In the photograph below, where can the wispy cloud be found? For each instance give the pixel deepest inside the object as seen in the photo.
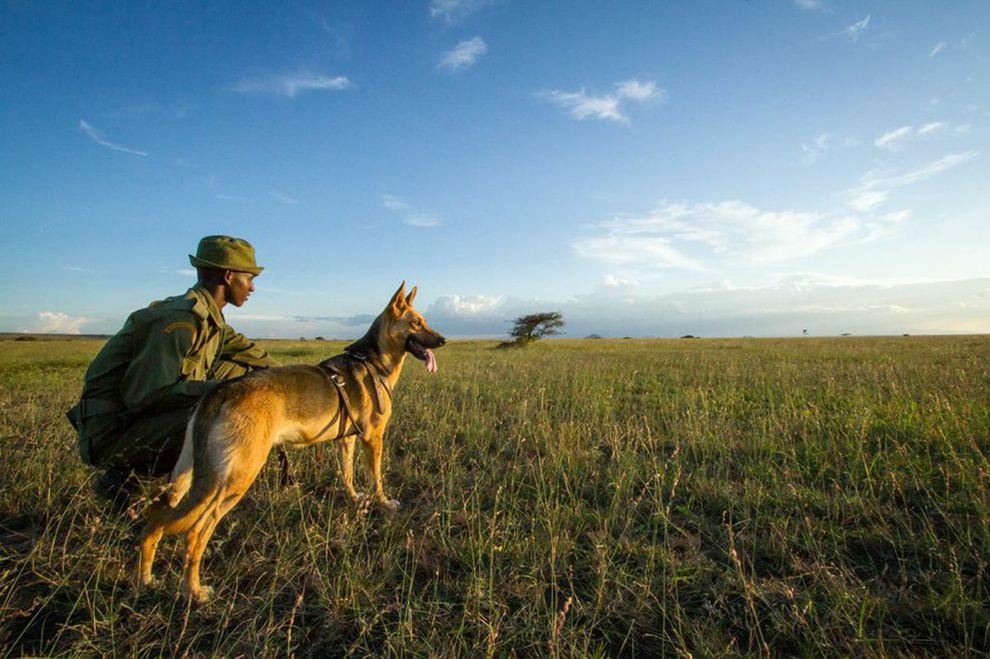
(413, 217)
(99, 139)
(289, 85)
(892, 139)
(704, 236)
(455, 11)
(814, 151)
(582, 106)
(283, 198)
(638, 91)
(463, 55)
(937, 49)
(808, 4)
(423, 220)
(895, 139)
(393, 203)
(854, 31)
(875, 187)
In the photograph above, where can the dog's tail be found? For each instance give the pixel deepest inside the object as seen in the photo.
(182, 473)
(177, 508)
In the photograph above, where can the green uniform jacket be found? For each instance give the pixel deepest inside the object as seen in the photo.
(165, 357)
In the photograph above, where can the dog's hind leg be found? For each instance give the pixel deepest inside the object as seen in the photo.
(161, 519)
(151, 535)
(241, 475)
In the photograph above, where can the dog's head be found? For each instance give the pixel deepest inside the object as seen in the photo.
(406, 329)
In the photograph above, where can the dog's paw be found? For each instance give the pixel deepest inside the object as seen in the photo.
(391, 506)
(149, 583)
(203, 595)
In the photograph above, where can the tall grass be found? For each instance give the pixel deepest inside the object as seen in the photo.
(605, 497)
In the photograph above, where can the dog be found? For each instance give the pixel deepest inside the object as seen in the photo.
(235, 427)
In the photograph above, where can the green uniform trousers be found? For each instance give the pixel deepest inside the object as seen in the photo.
(147, 445)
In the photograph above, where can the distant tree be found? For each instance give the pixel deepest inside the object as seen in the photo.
(535, 326)
(593, 336)
(805, 332)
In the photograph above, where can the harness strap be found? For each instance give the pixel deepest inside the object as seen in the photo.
(344, 413)
(380, 382)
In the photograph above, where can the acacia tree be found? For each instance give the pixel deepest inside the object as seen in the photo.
(536, 325)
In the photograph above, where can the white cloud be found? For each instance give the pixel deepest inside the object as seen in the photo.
(463, 55)
(808, 4)
(874, 187)
(853, 32)
(465, 305)
(864, 200)
(289, 85)
(896, 217)
(393, 203)
(414, 217)
(813, 152)
(283, 198)
(931, 127)
(423, 220)
(455, 11)
(582, 106)
(98, 138)
(56, 322)
(897, 138)
(690, 236)
(823, 304)
(937, 49)
(639, 250)
(892, 139)
(611, 281)
(638, 91)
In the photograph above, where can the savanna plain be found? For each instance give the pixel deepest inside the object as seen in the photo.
(574, 498)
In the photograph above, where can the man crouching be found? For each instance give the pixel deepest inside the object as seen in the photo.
(142, 386)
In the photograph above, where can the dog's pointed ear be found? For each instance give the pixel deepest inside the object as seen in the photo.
(411, 297)
(398, 302)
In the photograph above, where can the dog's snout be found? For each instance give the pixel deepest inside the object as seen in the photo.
(440, 341)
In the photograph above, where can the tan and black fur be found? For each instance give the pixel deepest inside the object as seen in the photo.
(235, 427)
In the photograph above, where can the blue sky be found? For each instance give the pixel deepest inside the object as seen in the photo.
(649, 168)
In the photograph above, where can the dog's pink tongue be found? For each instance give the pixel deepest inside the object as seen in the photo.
(431, 361)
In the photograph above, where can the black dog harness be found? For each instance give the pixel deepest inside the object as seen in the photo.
(335, 369)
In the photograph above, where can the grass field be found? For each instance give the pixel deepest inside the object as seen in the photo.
(613, 497)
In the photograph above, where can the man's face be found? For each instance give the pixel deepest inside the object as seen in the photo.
(240, 285)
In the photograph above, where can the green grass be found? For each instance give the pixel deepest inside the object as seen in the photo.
(627, 497)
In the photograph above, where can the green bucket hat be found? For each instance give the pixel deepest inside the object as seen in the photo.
(225, 253)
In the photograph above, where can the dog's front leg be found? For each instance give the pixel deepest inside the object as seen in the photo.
(372, 454)
(347, 466)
